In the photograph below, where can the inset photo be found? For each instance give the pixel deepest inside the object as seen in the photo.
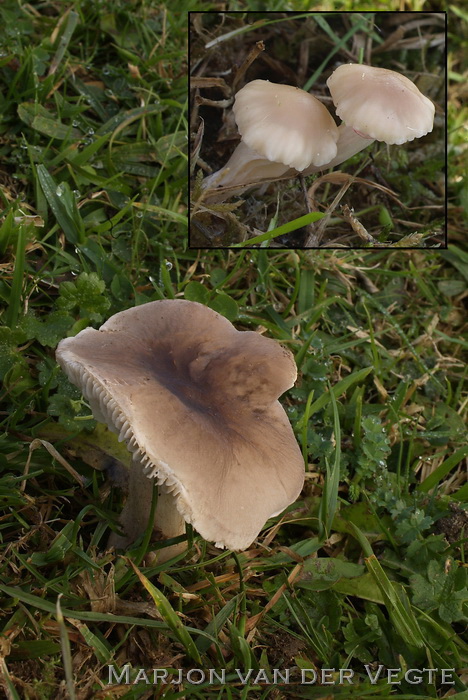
(318, 130)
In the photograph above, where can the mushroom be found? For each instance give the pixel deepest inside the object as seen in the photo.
(195, 401)
(375, 104)
(282, 127)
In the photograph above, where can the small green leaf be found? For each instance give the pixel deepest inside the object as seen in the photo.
(9, 341)
(87, 295)
(68, 410)
(217, 276)
(322, 572)
(33, 649)
(195, 291)
(451, 288)
(48, 330)
(225, 305)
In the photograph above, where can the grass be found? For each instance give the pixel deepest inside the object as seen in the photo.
(397, 193)
(369, 565)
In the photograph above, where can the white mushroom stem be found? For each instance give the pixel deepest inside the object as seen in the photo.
(245, 166)
(168, 522)
(349, 143)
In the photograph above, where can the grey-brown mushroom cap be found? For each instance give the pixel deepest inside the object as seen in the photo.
(196, 402)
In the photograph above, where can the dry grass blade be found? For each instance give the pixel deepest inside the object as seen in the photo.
(345, 181)
(252, 622)
(199, 82)
(34, 445)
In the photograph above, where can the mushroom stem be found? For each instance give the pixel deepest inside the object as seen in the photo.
(349, 143)
(136, 512)
(244, 166)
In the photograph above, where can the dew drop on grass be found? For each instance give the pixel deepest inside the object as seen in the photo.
(168, 265)
(75, 123)
(76, 193)
(139, 214)
(59, 191)
(108, 93)
(90, 131)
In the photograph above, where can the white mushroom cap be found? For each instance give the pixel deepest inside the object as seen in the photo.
(380, 103)
(285, 124)
(195, 400)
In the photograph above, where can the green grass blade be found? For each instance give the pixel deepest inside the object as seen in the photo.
(340, 387)
(101, 650)
(62, 202)
(13, 311)
(72, 22)
(12, 694)
(305, 422)
(161, 213)
(442, 470)
(329, 500)
(319, 70)
(394, 595)
(169, 615)
(285, 228)
(6, 231)
(39, 119)
(66, 651)
(216, 624)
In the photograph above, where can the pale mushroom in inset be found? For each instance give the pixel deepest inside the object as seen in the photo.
(375, 104)
(195, 400)
(282, 127)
